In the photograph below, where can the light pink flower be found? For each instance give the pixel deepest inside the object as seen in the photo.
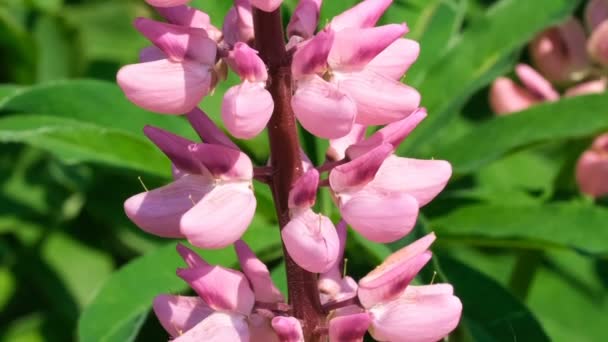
(304, 19)
(592, 169)
(238, 23)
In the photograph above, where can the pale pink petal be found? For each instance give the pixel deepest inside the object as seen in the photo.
(536, 83)
(246, 63)
(322, 109)
(246, 109)
(337, 147)
(421, 179)
(380, 217)
(360, 171)
(174, 147)
(260, 329)
(218, 327)
(191, 17)
(388, 280)
(164, 86)
(167, 3)
(256, 271)
(288, 329)
(349, 328)
(380, 100)
(151, 54)
(238, 23)
(598, 44)
(304, 19)
(222, 162)
(221, 217)
(303, 194)
(332, 285)
(311, 241)
(507, 97)
(421, 314)
(266, 5)
(159, 211)
(596, 12)
(364, 14)
(393, 134)
(589, 87)
(396, 59)
(178, 314)
(207, 130)
(179, 42)
(353, 48)
(311, 56)
(221, 288)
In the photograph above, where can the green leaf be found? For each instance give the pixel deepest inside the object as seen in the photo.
(57, 55)
(484, 52)
(567, 119)
(564, 225)
(117, 310)
(75, 142)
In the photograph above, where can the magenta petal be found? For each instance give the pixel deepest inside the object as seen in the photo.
(311, 241)
(246, 109)
(420, 314)
(380, 217)
(304, 192)
(364, 14)
(353, 48)
(246, 63)
(221, 217)
(311, 56)
(304, 19)
(222, 162)
(207, 130)
(322, 109)
(288, 329)
(221, 288)
(389, 279)
(178, 314)
(349, 328)
(167, 3)
(380, 100)
(190, 257)
(174, 147)
(218, 327)
(431, 177)
(256, 271)
(164, 86)
(396, 59)
(159, 211)
(360, 171)
(536, 83)
(337, 147)
(393, 134)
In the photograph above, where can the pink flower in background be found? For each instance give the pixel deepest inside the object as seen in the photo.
(592, 168)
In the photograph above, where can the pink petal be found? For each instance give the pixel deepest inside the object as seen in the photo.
(360, 171)
(393, 134)
(246, 109)
(355, 47)
(222, 162)
(151, 54)
(165, 87)
(311, 56)
(221, 217)
(379, 100)
(238, 23)
(596, 12)
(421, 314)
(589, 87)
(266, 5)
(337, 147)
(364, 14)
(304, 192)
(218, 327)
(304, 19)
(592, 169)
(332, 285)
(167, 3)
(288, 329)
(396, 174)
(191, 17)
(389, 279)
(311, 241)
(221, 288)
(396, 59)
(507, 97)
(536, 83)
(174, 147)
(178, 314)
(380, 217)
(179, 42)
(256, 271)
(207, 130)
(159, 211)
(322, 109)
(246, 63)
(349, 328)
(598, 44)
(260, 329)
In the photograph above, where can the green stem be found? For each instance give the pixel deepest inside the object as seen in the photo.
(523, 273)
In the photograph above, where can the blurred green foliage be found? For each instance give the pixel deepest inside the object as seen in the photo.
(72, 267)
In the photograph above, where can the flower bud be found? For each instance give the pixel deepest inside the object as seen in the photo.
(304, 19)
(598, 44)
(246, 109)
(304, 192)
(288, 329)
(238, 24)
(246, 63)
(592, 169)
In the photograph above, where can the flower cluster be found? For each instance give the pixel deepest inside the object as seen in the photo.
(567, 58)
(345, 78)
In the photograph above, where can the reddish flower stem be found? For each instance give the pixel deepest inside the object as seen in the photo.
(286, 162)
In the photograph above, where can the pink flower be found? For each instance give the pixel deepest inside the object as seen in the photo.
(211, 203)
(190, 17)
(238, 24)
(592, 169)
(304, 19)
